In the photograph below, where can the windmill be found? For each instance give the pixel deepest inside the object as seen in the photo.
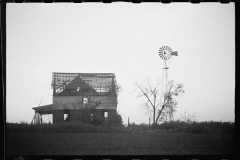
(166, 53)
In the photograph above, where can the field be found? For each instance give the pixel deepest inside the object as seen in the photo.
(132, 143)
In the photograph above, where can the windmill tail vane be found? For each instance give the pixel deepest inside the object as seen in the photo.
(175, 53)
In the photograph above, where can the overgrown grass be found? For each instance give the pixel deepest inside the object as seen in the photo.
(138, 128)
(210, 127)
(71, 127)
(77, 127)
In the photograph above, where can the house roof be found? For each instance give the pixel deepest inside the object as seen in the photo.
(80, 83)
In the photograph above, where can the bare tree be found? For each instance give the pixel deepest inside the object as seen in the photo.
(154, 105)
(91, 103)
(189, 118)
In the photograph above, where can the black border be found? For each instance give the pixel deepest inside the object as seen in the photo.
(115, 157)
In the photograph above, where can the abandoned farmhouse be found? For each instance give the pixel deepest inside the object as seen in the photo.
(74, 92)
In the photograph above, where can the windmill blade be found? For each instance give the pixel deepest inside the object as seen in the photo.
(165, 52)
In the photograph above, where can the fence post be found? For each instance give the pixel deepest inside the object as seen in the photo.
(128, 121)
(149, 123)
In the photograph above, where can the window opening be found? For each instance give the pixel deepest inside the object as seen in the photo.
(66, 118)
(105, 114)
(85, 100)
(91, 117)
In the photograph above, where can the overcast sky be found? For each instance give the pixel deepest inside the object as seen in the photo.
(123, 38)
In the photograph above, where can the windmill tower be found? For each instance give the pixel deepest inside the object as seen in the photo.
(165, 53)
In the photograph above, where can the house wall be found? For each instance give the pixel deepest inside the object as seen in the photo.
(58, 115)
(70, 102)
(75, 114)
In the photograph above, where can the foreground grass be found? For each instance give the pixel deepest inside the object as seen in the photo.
(135, 143)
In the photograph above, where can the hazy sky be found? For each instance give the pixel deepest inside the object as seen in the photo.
(123, 38)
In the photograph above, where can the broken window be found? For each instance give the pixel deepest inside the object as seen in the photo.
(66, 118)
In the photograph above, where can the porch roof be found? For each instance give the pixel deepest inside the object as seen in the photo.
(46, 109)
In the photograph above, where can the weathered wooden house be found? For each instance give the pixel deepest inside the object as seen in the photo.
(75, 91)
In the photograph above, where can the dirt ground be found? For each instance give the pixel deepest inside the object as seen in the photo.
(147, 143)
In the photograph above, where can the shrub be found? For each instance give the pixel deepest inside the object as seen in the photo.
(85, 116)
(114, 119)
(97, 120)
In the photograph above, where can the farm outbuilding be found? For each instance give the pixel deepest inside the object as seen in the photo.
(73, 92)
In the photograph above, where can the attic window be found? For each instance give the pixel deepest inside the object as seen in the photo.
(78, 89)
(85, 100)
